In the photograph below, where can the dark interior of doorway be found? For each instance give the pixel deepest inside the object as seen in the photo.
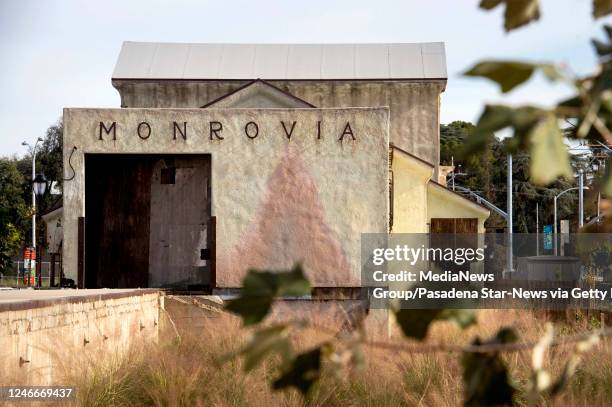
(127, 247)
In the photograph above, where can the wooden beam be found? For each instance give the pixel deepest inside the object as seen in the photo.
(212, 246)
(81, 253)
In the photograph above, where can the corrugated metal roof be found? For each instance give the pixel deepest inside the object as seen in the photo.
(149, 60)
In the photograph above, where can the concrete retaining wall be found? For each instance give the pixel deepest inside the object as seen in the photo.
(43, 333)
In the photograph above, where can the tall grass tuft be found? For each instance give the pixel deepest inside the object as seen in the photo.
(186, 372)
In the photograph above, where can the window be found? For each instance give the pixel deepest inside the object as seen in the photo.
(168, 175)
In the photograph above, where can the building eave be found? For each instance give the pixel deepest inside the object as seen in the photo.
(476, 205)
(411, 156)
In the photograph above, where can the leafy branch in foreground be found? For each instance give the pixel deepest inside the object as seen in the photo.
(538, 129)
(518, 13)
(261, 288)
(486, 377)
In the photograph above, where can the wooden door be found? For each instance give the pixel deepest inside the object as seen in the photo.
(454, 225)
(146, 221)
(117, 208)
(180, 217)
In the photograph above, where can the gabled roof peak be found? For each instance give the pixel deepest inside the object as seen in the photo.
(258, 94)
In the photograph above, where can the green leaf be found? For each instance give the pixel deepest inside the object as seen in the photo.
(464, 318)
(492, 119)
(503, 336)
(260, 288)
(549, 155)
(486, 380)
(489, 4)
(303, 372)
(520, 12)
(415, 323)
(601, 8)
(252, 308)
(485, 375)
(517, 13)
(264, 342)
(498, 117)
(551, 72)
(602, 48)
(508, 74)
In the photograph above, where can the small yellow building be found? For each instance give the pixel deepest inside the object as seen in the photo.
(422, 205)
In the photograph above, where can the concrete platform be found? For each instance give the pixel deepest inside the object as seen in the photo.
(19, 299)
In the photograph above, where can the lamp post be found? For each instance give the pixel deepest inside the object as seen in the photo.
(580, 198)
(39, 187)
(555, 209)
(510, 254)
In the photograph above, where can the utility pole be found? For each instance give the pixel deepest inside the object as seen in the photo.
(580, 198)
(509, 211)
(453, 177)
(34, 197)
(537, 228)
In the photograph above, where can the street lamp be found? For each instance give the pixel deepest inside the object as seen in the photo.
(39, 185)
(33, 152)
(555, 210)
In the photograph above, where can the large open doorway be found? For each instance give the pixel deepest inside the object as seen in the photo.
(148, 221)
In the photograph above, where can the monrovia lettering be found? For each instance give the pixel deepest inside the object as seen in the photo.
(216, 131)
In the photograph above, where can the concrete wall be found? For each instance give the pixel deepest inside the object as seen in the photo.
(414, 105)
(276, 200)
(443, 203)
(41, 338)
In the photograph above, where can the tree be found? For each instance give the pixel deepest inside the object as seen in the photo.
(13, 211)
(485, 174)
(49, 157)
(49, 160)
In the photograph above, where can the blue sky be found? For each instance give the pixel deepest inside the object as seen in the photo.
(61, 53)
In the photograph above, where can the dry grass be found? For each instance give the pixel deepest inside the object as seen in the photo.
(185, 372)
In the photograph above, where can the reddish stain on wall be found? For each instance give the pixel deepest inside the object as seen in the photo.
(289, 226)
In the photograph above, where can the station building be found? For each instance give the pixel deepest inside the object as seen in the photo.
(227, 157)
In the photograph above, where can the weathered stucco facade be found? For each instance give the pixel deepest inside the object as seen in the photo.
(226, 157)
(278, 195)
(414, 105)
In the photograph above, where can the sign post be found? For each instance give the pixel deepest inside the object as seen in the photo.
(29, 266)
(548, 237)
